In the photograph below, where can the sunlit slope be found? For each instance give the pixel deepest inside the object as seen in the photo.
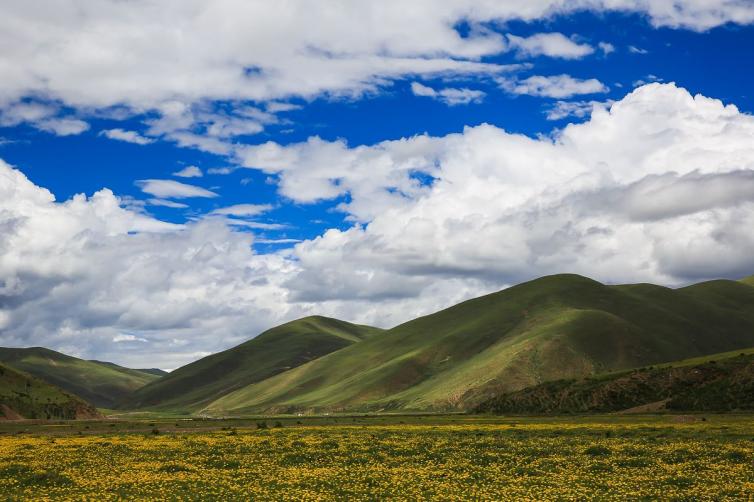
(555, 327)
(24, 396)
(101, 384)
(279, 349)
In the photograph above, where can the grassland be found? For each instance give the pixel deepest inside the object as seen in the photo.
(23, 396)
(369, 458)
(563, 326)
(718, 382)
(191, 387)
(99, 383)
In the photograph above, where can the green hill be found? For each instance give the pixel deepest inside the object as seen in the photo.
(719, 382)
(23, 396)
(287, 346)
(101, 384)
(563, 326)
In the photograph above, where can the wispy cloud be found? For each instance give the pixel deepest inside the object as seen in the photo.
(243, 210)
(450, 96)
(189, 172)
(127, 136)
(170, 189)
(555, 45)
(555, 86)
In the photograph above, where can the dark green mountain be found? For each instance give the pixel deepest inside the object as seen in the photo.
(23, 396)
(563, 326)
(716, 383)
(277, 350)
(101, 384)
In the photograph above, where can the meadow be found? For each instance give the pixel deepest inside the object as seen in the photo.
(379, 457)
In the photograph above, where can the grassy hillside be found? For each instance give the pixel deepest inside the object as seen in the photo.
(719, 382)
(279, 349)
(562, 326)
(101, 384)
(23, 396)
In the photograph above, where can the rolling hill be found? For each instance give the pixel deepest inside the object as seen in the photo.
(562, 326)
(717, 383)
(287, 346)
(101, 384)
(23, 396)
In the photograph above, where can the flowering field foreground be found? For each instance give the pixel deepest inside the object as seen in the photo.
(644, 459)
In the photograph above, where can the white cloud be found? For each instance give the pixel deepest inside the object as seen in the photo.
(656, 188)
(617, 197)
(167, 203)
(85, 275)
(578, 109)
(279, 107)
(555, 86)
(450, 96)
(189, 172)
(122, 337)
(606, 48)
(63, 126)
(45, 117)
(637, 50)
(646, 80)
(243, 210)
(127, 136)
(169, 189)
(170, 59)
(554, 45)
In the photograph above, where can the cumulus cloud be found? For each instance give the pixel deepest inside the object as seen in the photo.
(449, 95)
(127, 136)
(657, 187)
(555, 86)
(83, 274)
(613, 197)
(189, 172)
(554, 45)
(170, 189)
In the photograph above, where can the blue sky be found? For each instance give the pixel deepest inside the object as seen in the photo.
(718, 63)
(334, 145)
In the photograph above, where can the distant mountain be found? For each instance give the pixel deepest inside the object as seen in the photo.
(562, 326)
(23, 396)
(99, 383)
(275, 351)
(719, 382)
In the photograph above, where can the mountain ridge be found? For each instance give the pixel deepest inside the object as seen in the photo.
(555, 326)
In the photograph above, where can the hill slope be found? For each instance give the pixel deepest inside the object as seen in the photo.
(101, 384)
(287, 346)
(721, 382)
(554, 327)
(23, 396)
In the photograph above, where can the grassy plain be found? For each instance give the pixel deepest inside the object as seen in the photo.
(450, 457)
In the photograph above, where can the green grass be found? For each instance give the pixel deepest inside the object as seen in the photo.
(23, 396)
(714, 383)
(563, 326)
(193, 386)
(101, 384)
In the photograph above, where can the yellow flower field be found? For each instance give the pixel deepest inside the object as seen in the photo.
(534, 461)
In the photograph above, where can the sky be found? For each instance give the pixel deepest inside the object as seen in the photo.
(177, 176)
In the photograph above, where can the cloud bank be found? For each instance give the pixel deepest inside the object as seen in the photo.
(658, 187)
